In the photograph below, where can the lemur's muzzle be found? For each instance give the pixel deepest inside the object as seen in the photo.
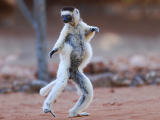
(67, 18)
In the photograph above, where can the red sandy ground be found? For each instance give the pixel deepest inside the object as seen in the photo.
(139, 103)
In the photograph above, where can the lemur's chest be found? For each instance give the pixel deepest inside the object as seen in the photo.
(77, 32)
(76, 37)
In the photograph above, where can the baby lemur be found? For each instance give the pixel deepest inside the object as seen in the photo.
(75, 52)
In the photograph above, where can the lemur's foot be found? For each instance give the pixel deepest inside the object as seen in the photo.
(47, 108)
(71, 116)
(84, 114)
(78, 115)
(96, 29)
(51, 111)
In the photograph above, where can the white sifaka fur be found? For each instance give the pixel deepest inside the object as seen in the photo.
(63, 75)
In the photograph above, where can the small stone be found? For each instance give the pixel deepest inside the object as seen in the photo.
(69, 88)
(5, 91)
(112, 90)
(25, 88)
(101, 80)
(36, 85)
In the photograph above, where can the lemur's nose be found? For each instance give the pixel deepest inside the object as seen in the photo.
(65, 21)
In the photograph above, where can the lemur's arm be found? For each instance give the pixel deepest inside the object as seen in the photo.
(90, 31)
(60, 42)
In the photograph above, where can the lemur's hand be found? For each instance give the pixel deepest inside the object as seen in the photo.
(96, 29)
(52, 52)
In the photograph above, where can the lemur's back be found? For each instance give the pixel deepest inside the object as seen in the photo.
(76, 39)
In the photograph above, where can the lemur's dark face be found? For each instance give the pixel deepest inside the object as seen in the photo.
(67, 18)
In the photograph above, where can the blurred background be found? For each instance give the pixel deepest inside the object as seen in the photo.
(125, 51)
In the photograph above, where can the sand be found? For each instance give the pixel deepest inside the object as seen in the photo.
(137, 103)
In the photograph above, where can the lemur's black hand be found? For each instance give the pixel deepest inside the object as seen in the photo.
(52, 52)
(96, 29)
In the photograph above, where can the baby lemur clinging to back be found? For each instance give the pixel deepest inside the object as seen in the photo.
(75, 52)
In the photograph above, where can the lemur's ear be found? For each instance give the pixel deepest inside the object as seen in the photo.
(76, 11)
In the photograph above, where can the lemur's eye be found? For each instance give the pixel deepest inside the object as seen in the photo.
(68, 16)
(62, 17)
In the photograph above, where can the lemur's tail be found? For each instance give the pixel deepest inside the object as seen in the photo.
(45, 90)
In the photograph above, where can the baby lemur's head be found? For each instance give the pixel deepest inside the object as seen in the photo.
(70, 15)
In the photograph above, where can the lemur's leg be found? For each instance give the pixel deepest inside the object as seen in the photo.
(45, 90)
(62, 78)
(85, 86)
